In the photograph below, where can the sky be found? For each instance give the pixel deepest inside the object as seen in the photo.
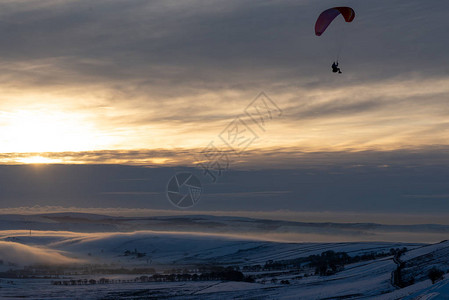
(131, 90)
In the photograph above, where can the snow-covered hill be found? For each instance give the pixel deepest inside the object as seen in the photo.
(274, 230)
(69, 244)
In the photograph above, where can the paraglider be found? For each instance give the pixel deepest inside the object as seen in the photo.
(335, 68)
(326, 18)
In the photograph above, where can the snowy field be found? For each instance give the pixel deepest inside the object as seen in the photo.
(52, 262)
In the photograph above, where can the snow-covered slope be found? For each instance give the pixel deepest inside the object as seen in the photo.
(177, 248)
(189, 242)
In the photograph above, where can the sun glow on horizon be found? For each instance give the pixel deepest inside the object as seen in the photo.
(39, 160)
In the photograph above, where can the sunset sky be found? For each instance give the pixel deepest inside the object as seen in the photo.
(153, 83)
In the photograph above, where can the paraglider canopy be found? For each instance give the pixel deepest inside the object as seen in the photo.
(327, 16)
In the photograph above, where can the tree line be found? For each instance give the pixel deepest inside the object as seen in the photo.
(225, 274)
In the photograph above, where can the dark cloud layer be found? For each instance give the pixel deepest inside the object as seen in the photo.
(400, 182)
(283, 158)
(213, 44)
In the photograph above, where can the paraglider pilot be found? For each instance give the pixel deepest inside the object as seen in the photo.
(335, 68)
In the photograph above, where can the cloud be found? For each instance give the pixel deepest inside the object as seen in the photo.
(255, 158)
(23, 255)
(196, 41)
(164, 74)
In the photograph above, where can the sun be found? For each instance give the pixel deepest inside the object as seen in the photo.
(45, 131)
(38, 160)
